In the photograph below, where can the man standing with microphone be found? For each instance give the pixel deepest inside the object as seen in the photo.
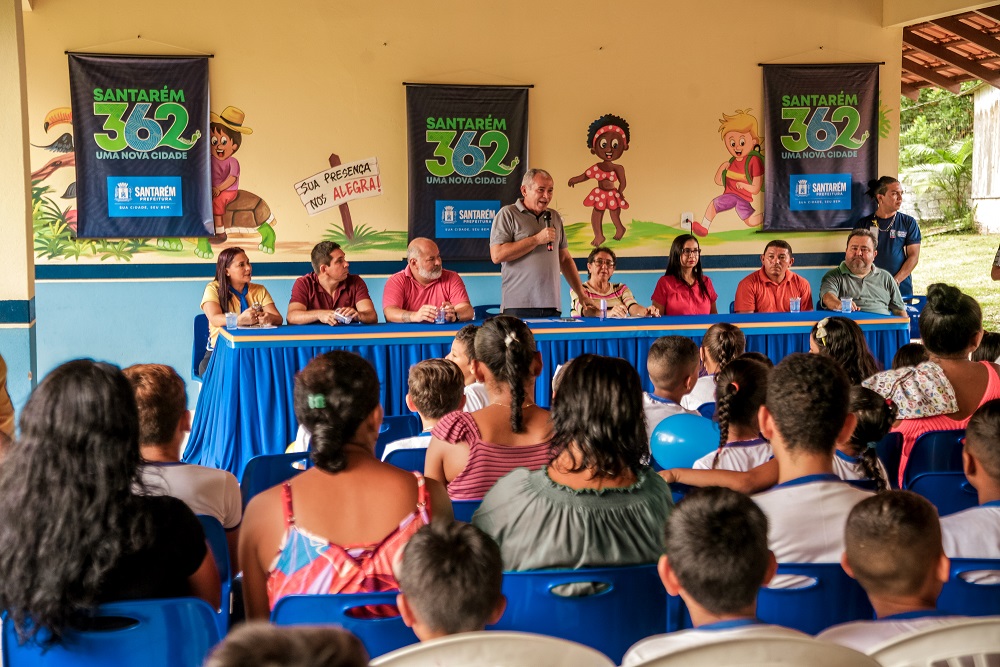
(529, 243)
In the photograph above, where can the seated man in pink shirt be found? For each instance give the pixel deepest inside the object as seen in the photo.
(330, 291)
(417, 292)
(771, 288)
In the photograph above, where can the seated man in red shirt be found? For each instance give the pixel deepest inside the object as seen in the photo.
(773, 286)
(416, 293)
(330, 292)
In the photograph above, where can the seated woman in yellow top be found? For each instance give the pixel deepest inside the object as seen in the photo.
(232, 287)
(600, 267)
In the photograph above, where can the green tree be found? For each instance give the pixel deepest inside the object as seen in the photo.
(936, 120)
(947, 169)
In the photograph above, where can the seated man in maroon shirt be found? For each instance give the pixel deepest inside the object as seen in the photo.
(330, 291)
(416, 293)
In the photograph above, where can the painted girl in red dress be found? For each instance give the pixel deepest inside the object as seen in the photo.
(607, 138)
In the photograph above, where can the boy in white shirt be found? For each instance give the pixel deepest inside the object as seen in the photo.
(463, 353)
(435, 389)
(672, 364)
(893, 548)
(975, 532)
(716, 559)
(804, 416)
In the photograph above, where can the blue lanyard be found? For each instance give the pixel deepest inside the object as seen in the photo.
(242, 296)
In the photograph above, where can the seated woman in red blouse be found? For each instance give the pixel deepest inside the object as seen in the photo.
(684, 289)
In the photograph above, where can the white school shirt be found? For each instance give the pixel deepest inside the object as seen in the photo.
(657, 409)
(661, 645)
(205, 490)
(475, 397)
(865, 636)
(703, 392)
(416, 442)
(974, 533)
(849, 467)
(806, 517)
(739, 455)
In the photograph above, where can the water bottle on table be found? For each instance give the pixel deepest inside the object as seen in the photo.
(794, 304)
(442, 315)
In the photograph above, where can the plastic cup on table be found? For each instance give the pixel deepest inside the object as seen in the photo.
(795, 304)
(846, 305)
(230, 320)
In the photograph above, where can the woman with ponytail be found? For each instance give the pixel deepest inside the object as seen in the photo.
(740, 390)
(470, 451)
(336, 527)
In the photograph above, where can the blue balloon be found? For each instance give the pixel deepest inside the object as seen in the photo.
(680, 440)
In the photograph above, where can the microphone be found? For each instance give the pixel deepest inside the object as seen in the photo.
(547, 217)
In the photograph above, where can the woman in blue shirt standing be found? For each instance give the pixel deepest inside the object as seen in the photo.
(898, 234)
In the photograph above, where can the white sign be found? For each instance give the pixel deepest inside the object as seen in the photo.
(344, 183)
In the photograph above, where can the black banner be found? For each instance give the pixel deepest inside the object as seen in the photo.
(821, 132)
(468, 150)
(142, 146)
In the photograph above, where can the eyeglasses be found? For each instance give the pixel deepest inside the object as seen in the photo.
(691, 251)
(604, 262)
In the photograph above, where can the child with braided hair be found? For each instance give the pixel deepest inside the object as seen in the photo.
(740, 390)
(607, 138)
(721, 344)
(856, 459)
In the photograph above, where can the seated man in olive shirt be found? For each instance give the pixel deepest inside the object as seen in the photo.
(330, 291)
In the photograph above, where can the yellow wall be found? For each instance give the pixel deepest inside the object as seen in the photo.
(898, 13)
(316, 77)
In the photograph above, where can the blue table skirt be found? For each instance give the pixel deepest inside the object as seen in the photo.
(245, 407)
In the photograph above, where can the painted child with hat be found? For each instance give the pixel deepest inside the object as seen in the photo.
(227, 132)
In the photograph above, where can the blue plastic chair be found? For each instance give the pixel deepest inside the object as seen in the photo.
(199, 343)
(177, 632)
(631, 606)
(889, 451)
(396, 428)
(732, 307)
(965, 598)
(914, 306)
(267, 470)
(485, 312)
(832, 598)
(934, 451)
(464, 509)
(379, 635)
(215, 534)
(707, 410)
(408, 459)
(949, 492)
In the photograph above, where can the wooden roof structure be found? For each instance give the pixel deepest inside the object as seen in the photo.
(950, 50)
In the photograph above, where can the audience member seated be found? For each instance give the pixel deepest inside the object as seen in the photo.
(595, 504)
(739, 393)
(771, 288)
(330, 291)
(163, 421)
(989, 348)
(892, 546)
(618, 297)
(463, 352)
(435, 389)
(672, 364)
(470, 451)
(265, 645)
(804, 417)
(74, 533)
(716, 559)
(870, 288)
(910, 355)
(424, 287)
(951, 326)
(291, 542)
(721, 344)
(450, 577)
(854, 460)
(975, 533)
(842, 340)
(684, 289)
(759, 357)
(232, 292)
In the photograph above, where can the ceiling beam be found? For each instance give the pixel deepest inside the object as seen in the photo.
(938, 80)
(941, 52)
(967, 32)
(990, 12)
(910, 91)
